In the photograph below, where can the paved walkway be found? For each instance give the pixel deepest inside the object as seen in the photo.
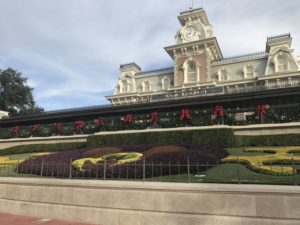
(7, 219)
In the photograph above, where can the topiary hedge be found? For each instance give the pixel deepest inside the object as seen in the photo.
(42, 148)
(223, 137)
(268, 140)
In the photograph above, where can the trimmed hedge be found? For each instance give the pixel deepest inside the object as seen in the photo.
(223, 137)
(42, 148)
(268, 140)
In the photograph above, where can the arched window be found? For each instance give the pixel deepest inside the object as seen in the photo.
(165, 83)
(223, 75)
(146, 86)
(191, 72)
(249, 71)
(282, 63)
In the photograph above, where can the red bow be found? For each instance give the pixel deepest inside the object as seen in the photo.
(35, 127)
(185, 114)
(16, 130)
(219, 111)
(154, 117)
(58, 126)
(128, 118)
(261, 109)
(79, 125)
(100, 121)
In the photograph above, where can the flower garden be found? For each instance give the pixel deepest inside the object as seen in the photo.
(131, 162)
(186, 155)
(180, 163)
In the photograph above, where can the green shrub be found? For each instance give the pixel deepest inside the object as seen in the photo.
(268, 140)
(42, 148)
(43, 132)
(218, 137)
(68, 131)
(24, 133)
(6, 133)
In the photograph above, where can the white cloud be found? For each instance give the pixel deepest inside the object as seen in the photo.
(72, 49)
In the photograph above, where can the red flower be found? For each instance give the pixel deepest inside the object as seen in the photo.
(100, 121)
(261, 109)
(35, 128)
(185, 114)
(219, 111)
(79, 124)
(16, 130)
(58, 126)
(154, 117)
(128, 118)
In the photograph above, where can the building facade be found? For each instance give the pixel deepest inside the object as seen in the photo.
(201, 70)
(249, 89)
(3, 114)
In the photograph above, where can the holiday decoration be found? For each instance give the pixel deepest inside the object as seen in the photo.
(35, 128)
(128, 118)
(58, 126)
(79, 124)
(261, 110)
(16, 130)
(219, 111)
(154, 118)
(100, 121)
(185, 114)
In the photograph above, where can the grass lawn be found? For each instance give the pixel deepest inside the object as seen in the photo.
(228, 173)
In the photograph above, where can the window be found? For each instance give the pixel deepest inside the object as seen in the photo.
(249, 71)
(223, 75)
(146, 86)
(124, 86)
(282, 63)
(165, 83)
(191, 72)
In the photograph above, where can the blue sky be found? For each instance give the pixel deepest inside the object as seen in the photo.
(71, 50)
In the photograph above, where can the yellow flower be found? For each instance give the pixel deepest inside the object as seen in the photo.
(263, 163)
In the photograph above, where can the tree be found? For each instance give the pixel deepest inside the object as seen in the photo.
(15, 94)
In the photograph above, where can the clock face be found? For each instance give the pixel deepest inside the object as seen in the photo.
(190, 33)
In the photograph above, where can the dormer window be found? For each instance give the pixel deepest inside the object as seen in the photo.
(282, 63)
(223, 75)
(249, 71)
(165, 83)
(146, 86)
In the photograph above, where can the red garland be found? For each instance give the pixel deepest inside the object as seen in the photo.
(16, 130)
(261, 109)
(58, 126)
(154, 117)
(185, 114)
(128, 118)
(100, 121)
(79, 124)
(219, 111)
(35, 128)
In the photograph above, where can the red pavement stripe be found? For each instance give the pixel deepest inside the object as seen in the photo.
(8, 219)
